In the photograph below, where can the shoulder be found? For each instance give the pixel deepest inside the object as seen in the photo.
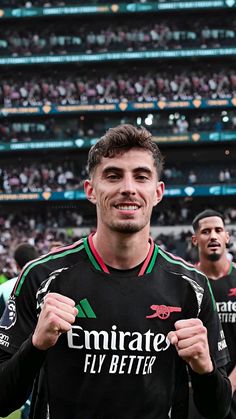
(233, 268)
(37, 270)
(231, 275)
(176, 264)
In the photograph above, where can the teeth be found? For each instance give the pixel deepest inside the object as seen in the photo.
(127, 207)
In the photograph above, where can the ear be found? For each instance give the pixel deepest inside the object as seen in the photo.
(89, 191)
(159, 192)
(194, 240)
(227, 237)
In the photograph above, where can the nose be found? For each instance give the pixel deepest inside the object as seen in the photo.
(128, 185)
(213, 235)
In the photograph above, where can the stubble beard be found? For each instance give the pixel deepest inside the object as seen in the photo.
(214, 257)
(126, 228)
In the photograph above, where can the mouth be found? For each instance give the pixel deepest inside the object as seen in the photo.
(213, 246)
(127, 207)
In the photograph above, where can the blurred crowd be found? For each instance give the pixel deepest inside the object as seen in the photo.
(53, 3)
(195, 173)
(46, 175)
(93, 37)
(87, 126)
(58, 89)
(40, 176)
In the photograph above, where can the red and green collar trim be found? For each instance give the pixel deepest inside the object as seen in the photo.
(98, 263)
(228, 269)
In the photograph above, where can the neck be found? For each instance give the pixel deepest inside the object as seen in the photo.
(122, 251)
(216, 269)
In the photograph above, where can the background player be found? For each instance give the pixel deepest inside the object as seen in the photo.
(211, 239)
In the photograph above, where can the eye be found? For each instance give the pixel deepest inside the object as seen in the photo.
(142, 177)
(112, 176)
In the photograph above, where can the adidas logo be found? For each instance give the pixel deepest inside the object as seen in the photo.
(85, 310)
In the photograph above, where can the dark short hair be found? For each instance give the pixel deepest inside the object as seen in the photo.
(205, 214)
(122, 138)
(23, 253)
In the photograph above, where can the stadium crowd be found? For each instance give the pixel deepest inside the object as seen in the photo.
(53, 3)
(36, 177)
(171, 122)
(68, 174)
(90, 38)
(116, 87)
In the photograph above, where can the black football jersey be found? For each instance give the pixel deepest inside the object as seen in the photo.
(116, 361)
(224, 290)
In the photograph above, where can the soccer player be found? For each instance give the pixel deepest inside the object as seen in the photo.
(211, 239)
(107, 328)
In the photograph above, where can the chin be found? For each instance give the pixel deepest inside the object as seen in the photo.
(127, 228)
(214, 257)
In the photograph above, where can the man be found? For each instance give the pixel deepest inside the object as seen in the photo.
(211, 238)
(23, 253)
(116, 319)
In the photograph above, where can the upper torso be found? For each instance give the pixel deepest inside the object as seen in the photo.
(116, 361)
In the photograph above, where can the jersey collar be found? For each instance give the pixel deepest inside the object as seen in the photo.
(98, 263)
(228, 269)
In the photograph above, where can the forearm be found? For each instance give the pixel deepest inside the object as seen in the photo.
(17, 374)
(212, 393)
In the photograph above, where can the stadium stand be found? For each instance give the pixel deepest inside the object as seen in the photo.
(70, 73)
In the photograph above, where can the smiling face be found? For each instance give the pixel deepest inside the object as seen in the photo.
(211, 238)
(125, 189)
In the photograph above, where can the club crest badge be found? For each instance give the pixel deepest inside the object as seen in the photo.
(8, 318)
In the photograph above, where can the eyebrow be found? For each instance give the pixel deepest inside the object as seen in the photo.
(212, 228)
(136, 170)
